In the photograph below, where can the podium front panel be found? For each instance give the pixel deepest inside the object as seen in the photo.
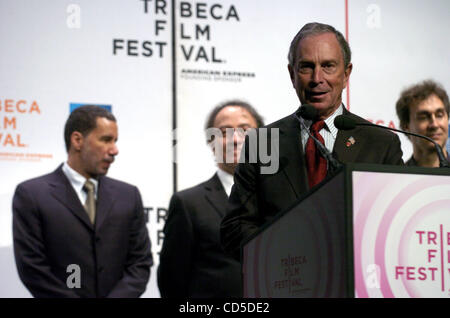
(401, 228)
(303, 253)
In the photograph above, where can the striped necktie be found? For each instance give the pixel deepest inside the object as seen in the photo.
(89, 206)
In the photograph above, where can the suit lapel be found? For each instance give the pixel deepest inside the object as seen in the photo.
(348, 143)
(62, 190)
(292, 161)
(216, 196)
(105, 200)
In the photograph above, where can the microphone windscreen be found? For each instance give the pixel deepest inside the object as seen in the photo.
(308, 112)
(344, 122)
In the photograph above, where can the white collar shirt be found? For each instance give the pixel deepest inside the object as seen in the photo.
(328, 132)
(77, 181)
(226, 179)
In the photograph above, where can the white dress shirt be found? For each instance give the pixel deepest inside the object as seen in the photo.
(77, 181)
(328, 132)
(226, 179)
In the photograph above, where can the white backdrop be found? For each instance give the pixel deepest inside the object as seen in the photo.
(119, 53)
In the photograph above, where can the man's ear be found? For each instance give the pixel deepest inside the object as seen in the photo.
(405, 127)
(291, 74)
(76, 140)
(347, 72)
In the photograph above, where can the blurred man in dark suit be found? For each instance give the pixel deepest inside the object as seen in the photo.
(424, 109)
(192, 263)
(319, 68)
(76, 232)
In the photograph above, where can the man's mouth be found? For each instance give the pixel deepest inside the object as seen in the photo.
(109, 161)
(316, 94)
(435, 136)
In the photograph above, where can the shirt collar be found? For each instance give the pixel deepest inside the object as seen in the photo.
(329, 122)
(226, 179)
(76, 179)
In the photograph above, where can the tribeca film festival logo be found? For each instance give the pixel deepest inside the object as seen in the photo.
(133, 47)
(435, 265)
(202, 12)
(292, 267)
(147, 48)
(12, 141)
(187, 10)
(190, 36)
(197, 41)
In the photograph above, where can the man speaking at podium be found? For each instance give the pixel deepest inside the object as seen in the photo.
(319, 68)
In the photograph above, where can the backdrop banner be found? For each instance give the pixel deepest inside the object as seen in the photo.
(162, 65)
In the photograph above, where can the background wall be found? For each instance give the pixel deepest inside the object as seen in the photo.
(164, 64)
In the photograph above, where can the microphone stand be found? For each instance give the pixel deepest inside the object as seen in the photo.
(334, 164)
(443, 163)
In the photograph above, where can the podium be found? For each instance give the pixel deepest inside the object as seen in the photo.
(368, 231)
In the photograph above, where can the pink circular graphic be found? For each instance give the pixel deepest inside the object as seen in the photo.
(388, 215)
(362, 210)
(361, 214)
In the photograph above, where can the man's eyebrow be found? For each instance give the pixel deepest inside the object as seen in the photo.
(308, 62)
(423, 112)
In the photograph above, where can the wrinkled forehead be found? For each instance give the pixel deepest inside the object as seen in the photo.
(324, 42)
(317, 38)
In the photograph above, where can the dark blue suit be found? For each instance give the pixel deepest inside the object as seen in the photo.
(52, 230)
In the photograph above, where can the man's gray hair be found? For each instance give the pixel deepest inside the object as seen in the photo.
(315, 28)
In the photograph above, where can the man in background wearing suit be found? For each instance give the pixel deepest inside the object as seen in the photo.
(319, 68)
(423, 109)
(76, 232)
(192, 263)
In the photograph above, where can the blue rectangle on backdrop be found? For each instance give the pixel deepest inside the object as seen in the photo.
(76, 105)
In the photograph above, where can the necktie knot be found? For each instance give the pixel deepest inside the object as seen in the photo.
(88, 187)
(317, 126)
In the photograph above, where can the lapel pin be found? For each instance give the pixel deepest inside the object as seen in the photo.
(350, 141)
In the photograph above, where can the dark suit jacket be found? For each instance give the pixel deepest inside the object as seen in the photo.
(192, 262)
(51, 230)
(256, 198)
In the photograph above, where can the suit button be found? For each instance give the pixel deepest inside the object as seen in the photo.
(97, 239)
(100, 269)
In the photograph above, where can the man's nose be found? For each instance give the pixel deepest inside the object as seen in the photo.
(238, 136)
(433, 122)
(317, 75)
(113, 150)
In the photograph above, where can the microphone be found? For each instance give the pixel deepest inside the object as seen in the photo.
(308, 112)
(345, 122)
